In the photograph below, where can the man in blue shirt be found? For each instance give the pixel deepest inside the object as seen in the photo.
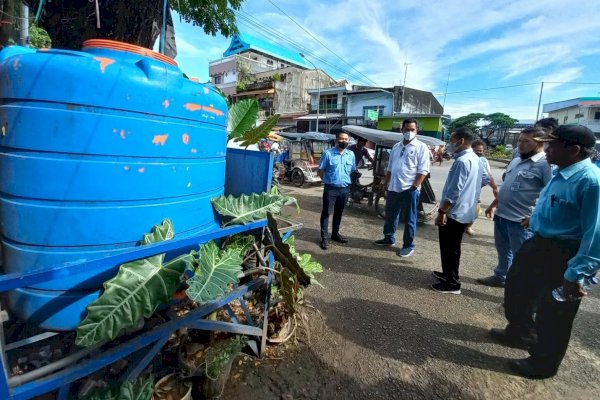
(564, 250)
(525, 177)
(457, 208)
(335, 167)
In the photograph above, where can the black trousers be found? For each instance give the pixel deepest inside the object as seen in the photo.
(537, 269)
(451, 236)
(334, 198)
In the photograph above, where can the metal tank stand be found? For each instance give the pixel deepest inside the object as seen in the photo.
(142, 345)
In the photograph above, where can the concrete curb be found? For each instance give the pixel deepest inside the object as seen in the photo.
(502, 160)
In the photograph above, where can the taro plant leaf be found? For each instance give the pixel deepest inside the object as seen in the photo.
(139, 287)
(254, 135)
(310, 266)
(242, 243)
(139, 389)
(247, 208)
(216, 270)
(289, 289)
(241, 117)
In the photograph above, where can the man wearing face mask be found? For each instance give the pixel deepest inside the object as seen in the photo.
(407, 169)
(457, 208)
(525, 177)
(334, 169)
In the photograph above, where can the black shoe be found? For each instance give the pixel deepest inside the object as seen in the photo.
(442, 287)
(324, 244)
(529, 370)
(493, 281)
(511, 341)
(439, 276)
(384, 242)
(339, 238)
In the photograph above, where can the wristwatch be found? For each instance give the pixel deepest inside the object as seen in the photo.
(440, 211)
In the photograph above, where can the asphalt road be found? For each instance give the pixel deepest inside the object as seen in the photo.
(380, 331)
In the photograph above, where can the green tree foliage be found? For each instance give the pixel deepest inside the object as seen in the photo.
(500, 123)
(38, 37)
(467, 121)
(70, 22)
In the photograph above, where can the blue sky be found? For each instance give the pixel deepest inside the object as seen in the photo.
(479, 44)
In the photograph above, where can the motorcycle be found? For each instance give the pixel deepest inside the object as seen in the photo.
(359, 191)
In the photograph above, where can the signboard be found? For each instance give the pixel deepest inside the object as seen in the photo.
(372, 115)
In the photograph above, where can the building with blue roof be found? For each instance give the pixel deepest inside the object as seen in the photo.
(580, 111)
(277, 77)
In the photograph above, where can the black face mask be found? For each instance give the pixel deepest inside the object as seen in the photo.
(342, 145)
(527, 155)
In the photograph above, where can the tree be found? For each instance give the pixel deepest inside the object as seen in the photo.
(501, 123)
(71, 22)
(38, 37)
(466, 121)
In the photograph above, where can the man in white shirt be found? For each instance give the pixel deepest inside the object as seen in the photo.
(407, 169)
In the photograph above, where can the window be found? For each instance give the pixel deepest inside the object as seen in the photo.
(269, 62)
(328, 102)
(218, 79)
(597, 115)
(579, 115)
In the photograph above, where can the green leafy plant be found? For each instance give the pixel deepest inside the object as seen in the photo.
(215, 271)
(38, 37)
(221, 353)
(241, 119)
(139, 287)
(254, 135)
(139, 389)
(248, 208)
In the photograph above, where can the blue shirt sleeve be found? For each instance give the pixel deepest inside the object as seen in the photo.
(485, 177)
(456, 181)
(323, 161)
(587, 259)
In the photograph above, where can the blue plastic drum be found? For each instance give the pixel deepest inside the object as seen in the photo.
(98, 146)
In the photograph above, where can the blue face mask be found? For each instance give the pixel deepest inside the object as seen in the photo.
(451, 147)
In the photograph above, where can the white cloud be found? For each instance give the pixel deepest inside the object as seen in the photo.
(483, 44)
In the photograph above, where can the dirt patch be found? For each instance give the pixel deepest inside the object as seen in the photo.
(380, 332)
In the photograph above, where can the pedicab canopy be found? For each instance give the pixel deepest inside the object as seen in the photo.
(386, 138)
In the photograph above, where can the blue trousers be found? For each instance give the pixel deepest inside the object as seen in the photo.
(334, 199)
(405, 202)
(508, 237)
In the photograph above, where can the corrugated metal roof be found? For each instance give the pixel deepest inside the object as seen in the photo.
(580, 101)
(245, 42)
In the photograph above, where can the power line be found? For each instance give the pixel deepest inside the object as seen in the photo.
(520, 85)
(260, 28)
(320, 42)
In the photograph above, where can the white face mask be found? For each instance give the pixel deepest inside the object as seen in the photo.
(410, 135)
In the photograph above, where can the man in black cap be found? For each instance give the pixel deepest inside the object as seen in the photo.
(564, 250)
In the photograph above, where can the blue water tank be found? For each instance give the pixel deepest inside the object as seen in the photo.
(98, 146)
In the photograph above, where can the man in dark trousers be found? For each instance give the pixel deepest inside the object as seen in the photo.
(457, 208)
(334, 169)
(564, 250)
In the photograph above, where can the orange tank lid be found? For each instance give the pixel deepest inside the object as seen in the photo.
(131, 48)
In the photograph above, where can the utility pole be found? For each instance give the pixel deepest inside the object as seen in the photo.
(445, 93)
(24, 31)
(406, 64)
(318, 88)
(537, 114)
